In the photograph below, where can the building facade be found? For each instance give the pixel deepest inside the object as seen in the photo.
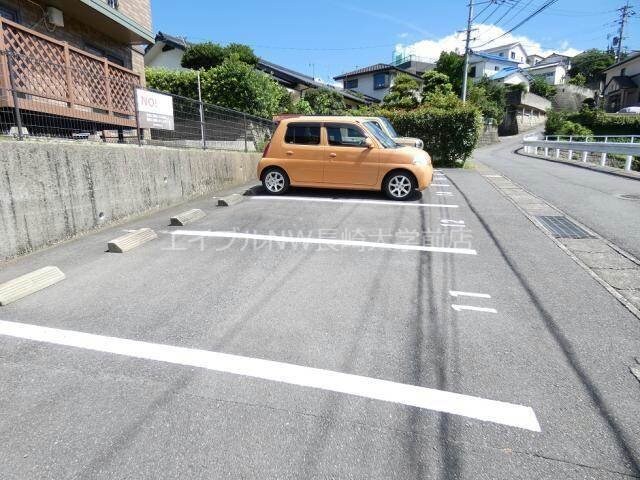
(79, 59)
(374, 81)
(621, 85)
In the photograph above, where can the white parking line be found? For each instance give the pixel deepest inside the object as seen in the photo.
(440, 185)
(351, 200)
(384, 390)
(444, 194)
(454, 293)
(322, 241)
(460, 308)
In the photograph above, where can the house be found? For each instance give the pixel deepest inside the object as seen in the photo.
(482, 64)
(513, 51)
(533, 60)
(512, 76)
(413, 64)
(296, 83)
(374, 81)
(554, 69)
(78, 59)
(167, 52)
(621, 84)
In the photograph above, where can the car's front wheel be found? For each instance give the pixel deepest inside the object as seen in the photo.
(399, 185)
(275, 181)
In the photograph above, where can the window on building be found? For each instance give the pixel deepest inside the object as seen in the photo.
(513, 55)
(496, 68)
(351, 83)
(8, 13)
(113, 4)
(345, 136)
(472, 72)
(100, 52)
(303, 134)
(381, 80)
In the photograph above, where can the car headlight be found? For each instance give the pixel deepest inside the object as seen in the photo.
(420, 160)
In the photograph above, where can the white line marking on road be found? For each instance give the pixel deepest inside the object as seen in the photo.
(455, 293)
(440, 185)
(444, 194)
(460, 308)
(452, 223)
(351, 200)
(492, 176)
(384, 390)
(323, 241)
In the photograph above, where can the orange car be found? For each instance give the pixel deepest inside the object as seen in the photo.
(341, 152)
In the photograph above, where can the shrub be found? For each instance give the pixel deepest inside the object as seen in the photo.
(203, 55)
(233, 84)
(403, 93)
(210, 55)
(539, 86)
(449, 135)
(325, 101)
(434, 81)
(573, 128)
(596, 121)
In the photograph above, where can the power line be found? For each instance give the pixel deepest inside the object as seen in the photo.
(625, 13)
(507, 12)
(537, 12)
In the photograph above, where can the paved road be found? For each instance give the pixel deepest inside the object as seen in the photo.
(587, 195)
(549, 341)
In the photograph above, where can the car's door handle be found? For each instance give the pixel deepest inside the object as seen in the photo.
(333, 155)
(289, 152)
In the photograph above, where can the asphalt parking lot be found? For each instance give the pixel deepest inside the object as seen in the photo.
(520, 358)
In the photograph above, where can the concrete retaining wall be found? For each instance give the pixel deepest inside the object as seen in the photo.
(51, 192)
(489, 134)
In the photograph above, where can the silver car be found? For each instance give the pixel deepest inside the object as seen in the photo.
(386, 127)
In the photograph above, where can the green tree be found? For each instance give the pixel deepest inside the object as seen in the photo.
(244, 53)
(403, 93)
(539, 86)
(237, 85)
(490, 98)
(301, 107)
(203, 56)
(452, 65)
(579, 80)
(434, 81)
(325, 101)
(591, 63)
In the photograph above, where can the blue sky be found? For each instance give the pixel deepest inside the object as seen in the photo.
(328, 38)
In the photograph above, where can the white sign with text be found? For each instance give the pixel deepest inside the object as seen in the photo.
(155, 110)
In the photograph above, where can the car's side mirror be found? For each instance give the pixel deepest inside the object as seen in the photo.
(368, 143)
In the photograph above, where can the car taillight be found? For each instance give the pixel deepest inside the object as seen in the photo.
(266, 150)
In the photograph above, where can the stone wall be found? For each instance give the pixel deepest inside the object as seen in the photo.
(50, 192)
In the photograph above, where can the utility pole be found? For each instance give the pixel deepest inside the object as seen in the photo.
(466, 53)
(625, 13)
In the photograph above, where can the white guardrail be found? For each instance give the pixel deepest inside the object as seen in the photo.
(627, 145)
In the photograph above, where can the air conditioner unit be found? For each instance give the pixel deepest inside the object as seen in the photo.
(55, 17)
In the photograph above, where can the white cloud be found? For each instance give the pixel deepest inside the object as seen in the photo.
(431, 49)
(403, 35)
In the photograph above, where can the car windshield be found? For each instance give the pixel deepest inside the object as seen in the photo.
(389, 127)
(383, 138)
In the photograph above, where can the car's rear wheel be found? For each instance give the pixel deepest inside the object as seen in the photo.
(275, 181)
(399, 185)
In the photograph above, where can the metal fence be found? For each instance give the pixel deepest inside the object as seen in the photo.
(610, 150)
(95, 102)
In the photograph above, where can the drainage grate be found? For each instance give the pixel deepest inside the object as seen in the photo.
(629, 196)
(562, 227)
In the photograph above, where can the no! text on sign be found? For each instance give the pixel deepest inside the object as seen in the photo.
(155, 110)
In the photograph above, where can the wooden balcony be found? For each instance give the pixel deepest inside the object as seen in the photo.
(51, 77)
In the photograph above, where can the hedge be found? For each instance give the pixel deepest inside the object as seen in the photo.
(448, 135)
(598, 122)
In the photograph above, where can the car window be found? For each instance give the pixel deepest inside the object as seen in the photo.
(302, 134)
(345, 136)
(383, 138)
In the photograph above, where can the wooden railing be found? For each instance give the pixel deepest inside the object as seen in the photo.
(56, 78)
